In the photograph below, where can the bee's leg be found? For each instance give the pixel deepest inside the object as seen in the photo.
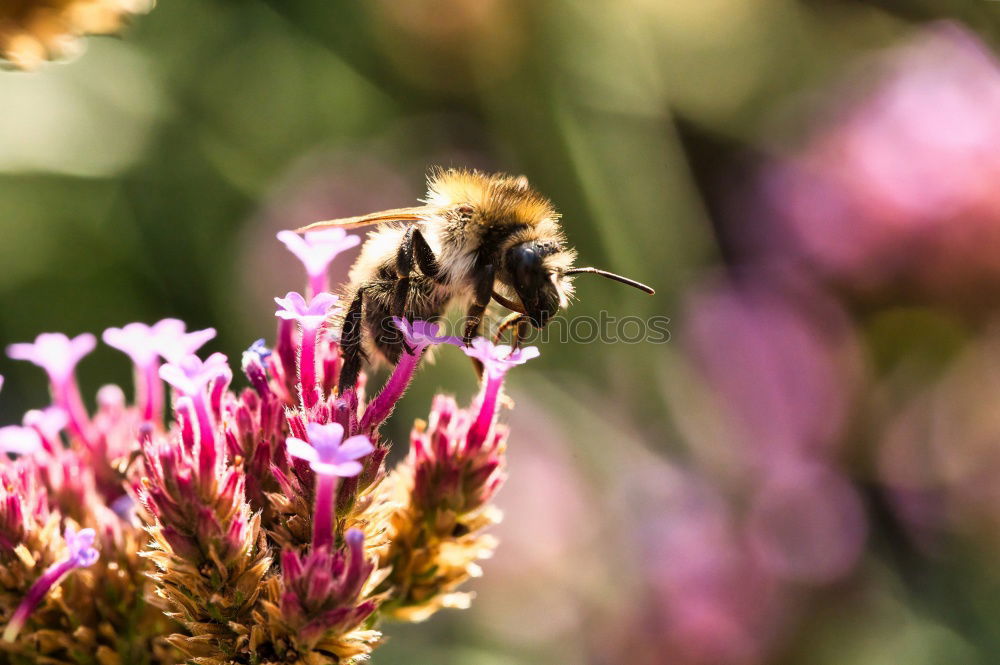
(350, 343)
(414, 246)
(480, 299)
(520, 332)
(401, 290)
(517, 321)
(474, 315)
(507, 322)
(424, 255)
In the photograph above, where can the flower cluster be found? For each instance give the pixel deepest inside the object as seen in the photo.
(250, 526)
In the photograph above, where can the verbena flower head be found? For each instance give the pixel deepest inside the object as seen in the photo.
(293, 307)
(327, 452)
(325, 591)
(227, 483)
(316, 249)
(56, 353)
(191, 375)
(497, 359)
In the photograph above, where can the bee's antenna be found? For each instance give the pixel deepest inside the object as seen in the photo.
(610, 275)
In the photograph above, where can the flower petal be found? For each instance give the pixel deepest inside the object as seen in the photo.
(355, 447)
(301, 449)
(346, 469)
(330, 434)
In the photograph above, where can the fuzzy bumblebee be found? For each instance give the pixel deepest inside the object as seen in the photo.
(479, 238)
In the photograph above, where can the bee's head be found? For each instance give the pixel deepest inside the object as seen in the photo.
(534, 270)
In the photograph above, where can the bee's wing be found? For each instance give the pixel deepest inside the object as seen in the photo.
(416, 214)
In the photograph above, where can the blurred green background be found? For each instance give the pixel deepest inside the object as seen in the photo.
(147, 178)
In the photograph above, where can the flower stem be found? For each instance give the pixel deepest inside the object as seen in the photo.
(380, 407)
(326, 489)
(285, 347)
(150, 397)
(307, 367)
(35, 594)
(206, 446)
(318, 283)
(487, 412)
(67, 397)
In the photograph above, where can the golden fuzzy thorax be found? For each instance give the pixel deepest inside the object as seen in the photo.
(506, 211)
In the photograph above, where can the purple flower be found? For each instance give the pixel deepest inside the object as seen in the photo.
(331, 458)
(421, 334)
(56, 353)
(327, 452)
(316, 250)
(145, 345)
(80, 554)
(48, 421)
(19, 440)
(190, 375)
(167, 338)
(81, 547)
(253, 366)
(259, 347)
(311, 315)
(497, 359)
(136, 340)
(173, 342)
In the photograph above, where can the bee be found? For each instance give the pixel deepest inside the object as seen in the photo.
(479, 237)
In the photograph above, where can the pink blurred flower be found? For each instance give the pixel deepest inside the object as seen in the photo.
(19, 440)
(806, 524)
(316, 250)
(899, 188)
(312, 314)
(56, 353)
(782, 360)
(47, 423)
(311, 317)
(144, 344)
(191, 375)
